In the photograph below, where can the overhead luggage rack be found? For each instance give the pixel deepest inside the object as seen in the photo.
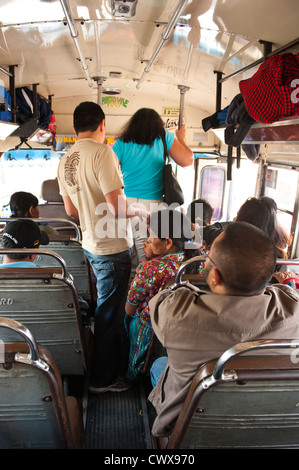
(285, 131)
(279, 132)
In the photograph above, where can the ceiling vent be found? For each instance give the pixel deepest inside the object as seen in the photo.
(115, 74)
(123, 8)
(111, 91)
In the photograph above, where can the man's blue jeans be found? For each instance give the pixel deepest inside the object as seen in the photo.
(157, 369)
(112, 273)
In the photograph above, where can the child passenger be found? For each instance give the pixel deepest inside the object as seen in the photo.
(25, 205)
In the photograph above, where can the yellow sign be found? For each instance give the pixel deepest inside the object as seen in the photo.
(110, 140)
(66, 138)
(171, 111)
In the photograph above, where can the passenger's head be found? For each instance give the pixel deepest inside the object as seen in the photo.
(23, 204)
(259, 212)
(22, 233)
(170, 232)
(270, 201)
(147, 249)
(87, 117)
(241, 261)
(200, 212)
(144, 127)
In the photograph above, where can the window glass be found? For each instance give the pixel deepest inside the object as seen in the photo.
(281, 185)
(212, 181)
(25, 170)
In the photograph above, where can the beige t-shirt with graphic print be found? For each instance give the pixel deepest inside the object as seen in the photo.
(86, 173)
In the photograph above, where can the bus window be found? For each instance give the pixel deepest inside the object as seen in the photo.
(25, 170)
(212, 183)
(281, 185)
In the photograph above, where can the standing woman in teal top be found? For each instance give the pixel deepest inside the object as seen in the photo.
(140, 151)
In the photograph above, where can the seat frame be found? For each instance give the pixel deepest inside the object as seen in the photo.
(241, 370)
(35, 358)
(61, 275)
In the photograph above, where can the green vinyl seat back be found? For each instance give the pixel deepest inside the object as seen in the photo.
(242, 402)
(77, 265)
(53, 206)
(70, 249)
(34, 412)
(46, 301)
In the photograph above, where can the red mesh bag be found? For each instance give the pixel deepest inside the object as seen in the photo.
(272, 93)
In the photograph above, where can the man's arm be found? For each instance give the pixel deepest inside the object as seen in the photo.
(70, 209)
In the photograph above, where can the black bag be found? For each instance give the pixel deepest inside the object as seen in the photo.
(172, 190)
(240, 123)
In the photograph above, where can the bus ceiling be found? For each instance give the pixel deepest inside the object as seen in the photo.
(134, 53)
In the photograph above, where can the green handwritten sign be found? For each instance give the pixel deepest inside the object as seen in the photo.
(114, 101)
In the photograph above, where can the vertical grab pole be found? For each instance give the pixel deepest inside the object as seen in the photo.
(100, 81)
(12, 92)
(35, 100)
(218, 90)
(183, 90)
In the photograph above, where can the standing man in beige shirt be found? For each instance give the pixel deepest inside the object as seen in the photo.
(91, 186)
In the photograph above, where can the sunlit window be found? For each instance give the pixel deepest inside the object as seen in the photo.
(212, 182)
(281, 184)
(25, 170)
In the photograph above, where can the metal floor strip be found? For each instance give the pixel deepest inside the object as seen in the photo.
(118, 420)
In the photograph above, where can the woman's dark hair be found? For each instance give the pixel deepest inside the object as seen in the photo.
(270, 201)
(144, 127)
(87, 117)
(20, 203)
(173, 224)
(261, 213)
(207, 211)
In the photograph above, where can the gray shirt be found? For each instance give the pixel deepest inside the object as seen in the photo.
(196, 328)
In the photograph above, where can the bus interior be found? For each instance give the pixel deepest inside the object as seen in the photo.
(183, 58)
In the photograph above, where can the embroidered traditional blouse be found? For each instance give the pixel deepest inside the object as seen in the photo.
(150, 276)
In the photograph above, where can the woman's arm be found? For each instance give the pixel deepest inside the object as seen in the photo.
(130, 309)
(179, 151)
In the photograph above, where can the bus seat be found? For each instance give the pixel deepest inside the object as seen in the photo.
(53, 207)
(34, 412)
(77, 264)
(46, 301)
(242, 402)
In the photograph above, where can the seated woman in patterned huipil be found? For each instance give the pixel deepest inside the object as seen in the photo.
(169, 244)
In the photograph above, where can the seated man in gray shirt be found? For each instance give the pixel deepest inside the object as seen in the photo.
(195, 327)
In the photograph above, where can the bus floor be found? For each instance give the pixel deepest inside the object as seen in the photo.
(118, 420)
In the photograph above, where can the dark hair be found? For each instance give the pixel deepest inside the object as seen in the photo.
(87, 117)
(245, 257)
(173, 224)
(270, 201)
(144, 127)
(20, 203)
(207, 211)
(259, 212)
